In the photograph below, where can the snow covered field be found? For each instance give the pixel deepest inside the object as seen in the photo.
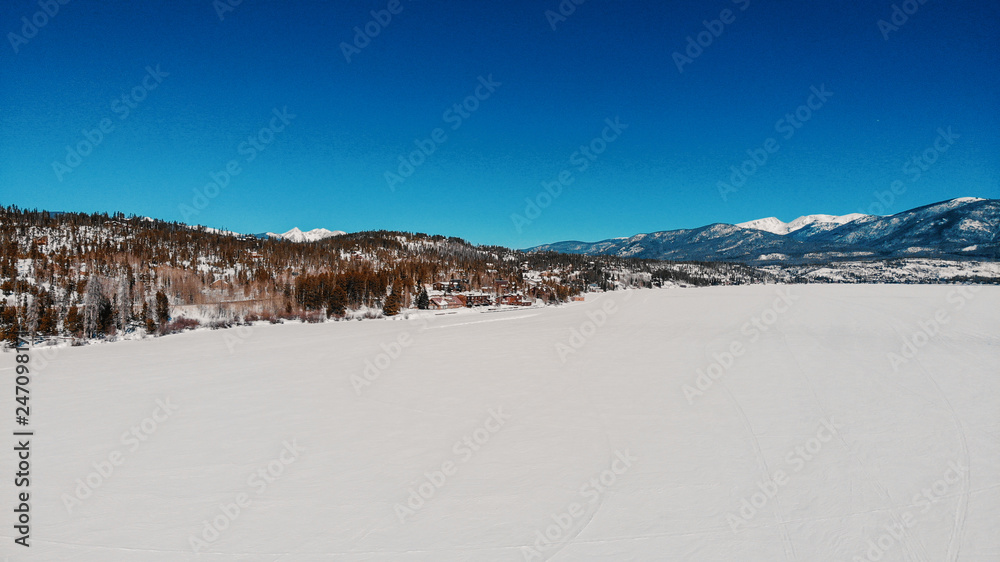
(735, 423)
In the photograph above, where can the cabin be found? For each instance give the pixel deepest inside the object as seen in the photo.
(514, 300)
(445, 302)
(477, 299)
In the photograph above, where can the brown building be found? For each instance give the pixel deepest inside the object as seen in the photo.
(515, 300)
(445, 302)
(477, 300)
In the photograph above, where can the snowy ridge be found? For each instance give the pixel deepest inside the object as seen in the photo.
(965, 226)
(314, 235)
(776, 226)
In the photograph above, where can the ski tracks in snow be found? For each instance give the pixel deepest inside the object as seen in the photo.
(961, 511)
(874, 482)
(762, 464)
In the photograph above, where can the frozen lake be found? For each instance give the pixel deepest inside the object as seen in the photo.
(734, 423)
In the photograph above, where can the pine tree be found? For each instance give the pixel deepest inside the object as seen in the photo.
(391, 306)
(338, 302)
(12, 329)
(162, 308)
(423, 301)
(48, 324)
(106, 318)
(147, 319)
(73, 323)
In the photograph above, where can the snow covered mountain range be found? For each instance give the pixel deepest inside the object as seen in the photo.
(775, 226)
(966, 227)
(314, 235)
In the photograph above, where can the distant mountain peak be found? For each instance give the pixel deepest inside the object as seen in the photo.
(776, 226)
(965, 226)
(314, 235)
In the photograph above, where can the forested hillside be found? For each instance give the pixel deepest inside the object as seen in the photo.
(94, 275)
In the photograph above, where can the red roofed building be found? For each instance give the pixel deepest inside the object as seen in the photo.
(446, 302)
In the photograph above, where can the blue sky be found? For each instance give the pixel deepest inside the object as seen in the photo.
(267, 91)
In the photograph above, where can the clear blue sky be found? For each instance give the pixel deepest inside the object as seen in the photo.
(352, 120)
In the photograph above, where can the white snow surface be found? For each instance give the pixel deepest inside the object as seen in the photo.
(604, 443)
(314, 235)
(776, 226)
